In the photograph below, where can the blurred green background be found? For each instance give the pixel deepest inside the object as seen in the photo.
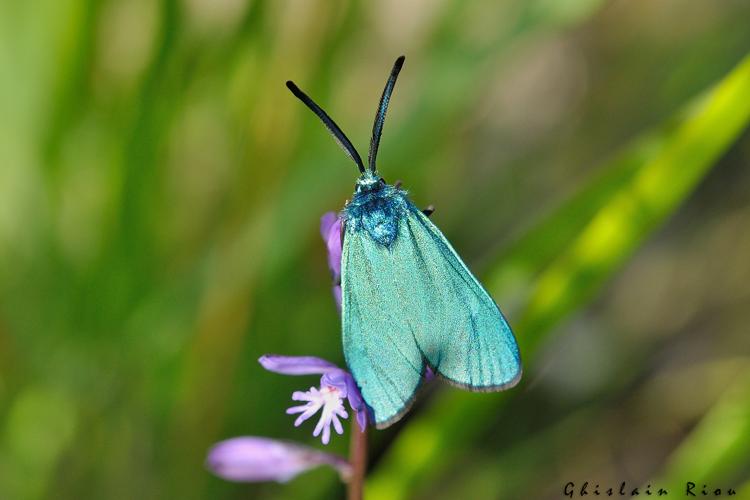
(160, 192)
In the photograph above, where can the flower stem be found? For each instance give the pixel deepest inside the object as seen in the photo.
(358, 460)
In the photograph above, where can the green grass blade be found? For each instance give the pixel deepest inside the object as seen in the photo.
(716, 450)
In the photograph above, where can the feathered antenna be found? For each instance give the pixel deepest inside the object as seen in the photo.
(377, 128)
(338, 135)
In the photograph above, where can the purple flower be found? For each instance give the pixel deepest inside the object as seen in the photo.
(330, 230)
(328, 400)
(335, 386)
(254, 459)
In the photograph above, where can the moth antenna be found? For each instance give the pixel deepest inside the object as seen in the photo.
(338, 135)
(377, 128)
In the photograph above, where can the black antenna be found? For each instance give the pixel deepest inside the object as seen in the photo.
(377, 128)
(334, 129)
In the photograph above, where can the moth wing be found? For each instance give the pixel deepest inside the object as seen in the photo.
(458, 327)
(416, 302)
(380, 351)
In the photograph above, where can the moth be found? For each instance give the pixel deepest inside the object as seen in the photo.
(408, 300)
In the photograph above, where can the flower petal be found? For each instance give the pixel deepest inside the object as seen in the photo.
(337, 297)
(333, 244)
(357, 403)
(326, 221)
(339, 379)
(344, 382)
(255, 459)
(296, 365)
(330, 230)
(337, 424)
(297, 409)
(307, 413)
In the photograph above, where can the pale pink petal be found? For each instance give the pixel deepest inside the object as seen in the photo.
(255, 459)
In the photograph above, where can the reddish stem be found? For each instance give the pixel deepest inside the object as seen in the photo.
(358, 460)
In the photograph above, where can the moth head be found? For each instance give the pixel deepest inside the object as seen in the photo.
(369, 182)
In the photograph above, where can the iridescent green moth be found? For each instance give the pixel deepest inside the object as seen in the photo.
(408, 300)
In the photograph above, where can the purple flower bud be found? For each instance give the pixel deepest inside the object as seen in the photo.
(330, 230)
(326, 221)
(356, 402)
(255, 459)
(296, 365)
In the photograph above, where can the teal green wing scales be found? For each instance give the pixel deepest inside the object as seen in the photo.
(414, 302)
(380, 351)
(462, 334)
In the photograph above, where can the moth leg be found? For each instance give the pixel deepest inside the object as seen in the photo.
(429, 210)
(397, 184)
